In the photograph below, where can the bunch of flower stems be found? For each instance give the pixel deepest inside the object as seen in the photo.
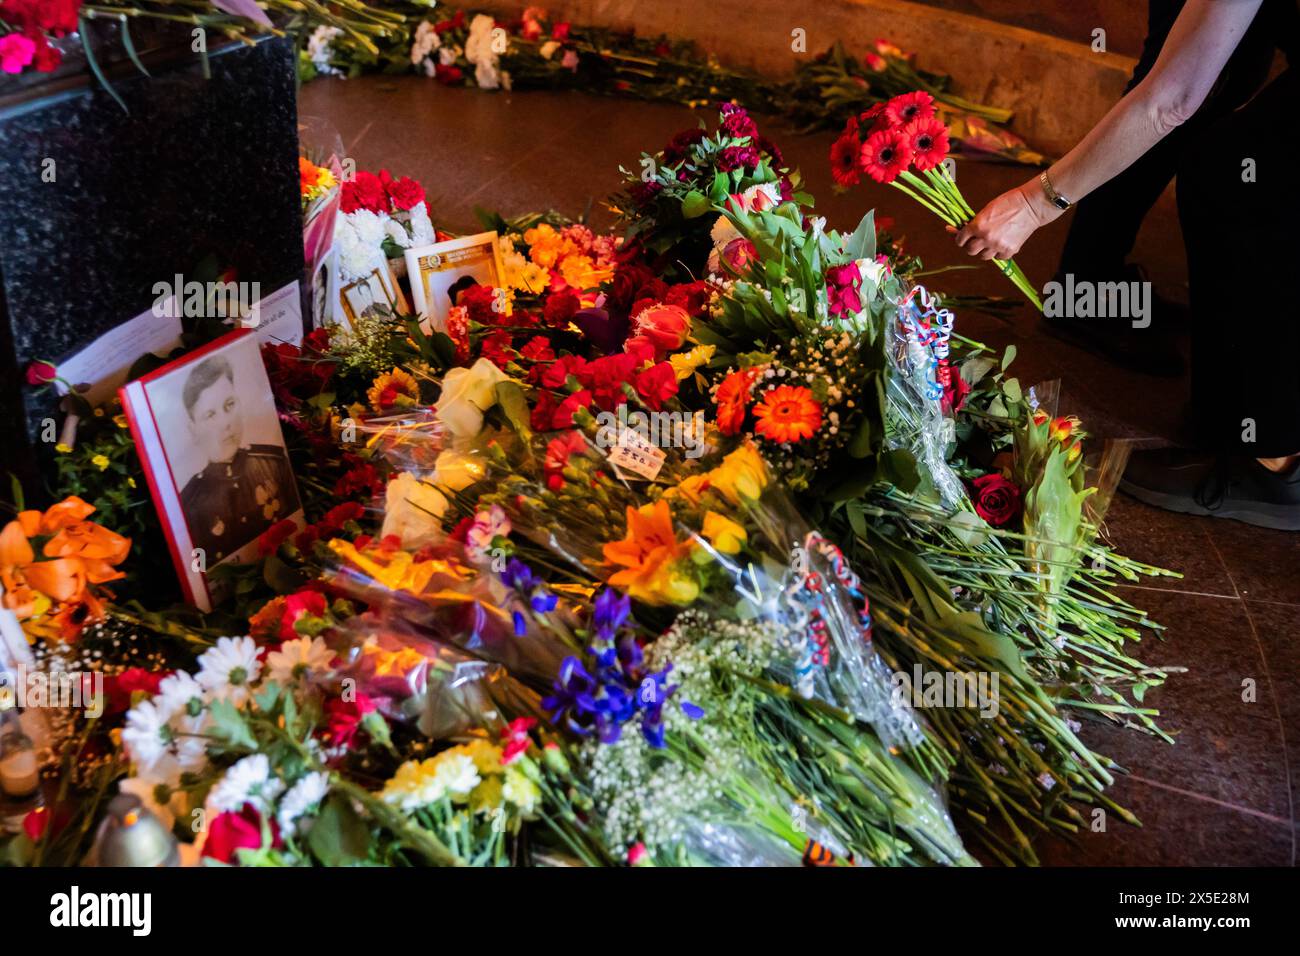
(937, 191)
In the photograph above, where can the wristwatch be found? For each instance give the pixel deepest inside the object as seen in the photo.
(1055, 198)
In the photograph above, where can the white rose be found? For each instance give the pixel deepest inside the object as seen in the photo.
(466, 394)
(870, 269)
(413, 510)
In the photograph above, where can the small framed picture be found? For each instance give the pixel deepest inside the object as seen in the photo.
(378, 294)
(439, 272)
(208, 436)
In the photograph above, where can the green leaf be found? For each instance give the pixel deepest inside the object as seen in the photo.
(1008, 356)
(862, 244)
(228, 725)
(1011, 389)
(511, 399)
(338, 836)
(695, 204)
(721, 188)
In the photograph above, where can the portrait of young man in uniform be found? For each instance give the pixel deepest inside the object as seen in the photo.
(242, 489)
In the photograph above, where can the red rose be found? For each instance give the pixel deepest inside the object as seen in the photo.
(230, 832)
(41, 373)
(997, 500)
(665, 325)
(366, 191)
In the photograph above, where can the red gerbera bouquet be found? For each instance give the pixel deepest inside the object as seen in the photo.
(904, 143)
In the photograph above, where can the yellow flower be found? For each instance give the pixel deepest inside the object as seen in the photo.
(652, 559)
(487, 795)
(395, 389)
(723, 533)
(685, 363)
(486, 756)
(130, 482)
(692, 489)
(581, 272)
(532, 278)
(521, 791)
(742, 475)
(100, 461)
(63, 449)
(120, 421)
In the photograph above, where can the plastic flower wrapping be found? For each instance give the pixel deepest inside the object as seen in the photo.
(655, 554)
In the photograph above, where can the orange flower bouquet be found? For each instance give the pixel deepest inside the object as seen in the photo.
(51, 564)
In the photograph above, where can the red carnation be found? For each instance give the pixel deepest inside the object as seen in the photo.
(365, 191)
(304, 603)
(560, 308)
(656, 385)
(885, 154)
(563, 415)
(691, 296)
(498, 348)
(558, 450)
(274, 536)
(557, 374)
(344, 718)
(996, 499)
(405, 193)
(480, 304)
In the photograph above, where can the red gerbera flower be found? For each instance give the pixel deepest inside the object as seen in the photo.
(844, 160)
(873, 118)
(901, 110)
(928, 139)
(885, 154)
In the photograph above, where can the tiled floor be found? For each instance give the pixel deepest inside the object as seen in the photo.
(1226, 792)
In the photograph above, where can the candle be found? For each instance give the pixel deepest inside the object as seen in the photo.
(19, 773)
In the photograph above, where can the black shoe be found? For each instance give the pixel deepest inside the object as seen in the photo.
(1194, 484)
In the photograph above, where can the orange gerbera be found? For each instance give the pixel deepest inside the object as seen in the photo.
(732, 398)
(653, 560)
(788, 413)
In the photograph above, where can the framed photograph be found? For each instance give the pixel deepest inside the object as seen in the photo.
(208, 436)
(439, 272)
(377, 294)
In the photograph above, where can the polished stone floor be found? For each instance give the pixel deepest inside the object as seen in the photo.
(1225, 793)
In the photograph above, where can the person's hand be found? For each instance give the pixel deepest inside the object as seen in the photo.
(1001, 228)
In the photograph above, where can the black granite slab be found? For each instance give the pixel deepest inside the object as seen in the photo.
(199, 168)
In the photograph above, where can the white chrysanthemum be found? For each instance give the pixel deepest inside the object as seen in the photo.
(302, 797)
(426, 41)
(227, 670)
(298, 658)
(319, 49)
(147, 735)
(478, 50)
(248, 781)
(182, 693)
(397, 233)
(421, 226)
(371, 227)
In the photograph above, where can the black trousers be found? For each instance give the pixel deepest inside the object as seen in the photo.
(1106, 222)
(1243, 263)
